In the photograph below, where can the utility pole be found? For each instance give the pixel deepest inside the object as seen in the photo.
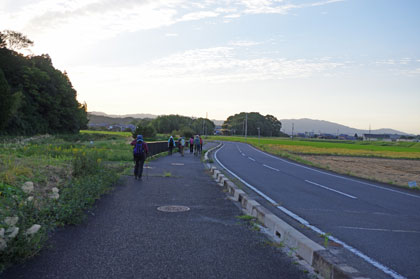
(205, 127)
(293, 129)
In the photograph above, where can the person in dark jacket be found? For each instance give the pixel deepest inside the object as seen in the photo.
(140, 152)
(171, 144)
(191, 144)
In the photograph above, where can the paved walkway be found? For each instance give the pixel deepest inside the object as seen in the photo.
(127, 237)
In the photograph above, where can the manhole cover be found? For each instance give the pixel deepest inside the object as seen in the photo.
(173, 208)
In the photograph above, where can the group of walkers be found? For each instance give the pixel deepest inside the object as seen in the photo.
(141, 150)
(195, 144)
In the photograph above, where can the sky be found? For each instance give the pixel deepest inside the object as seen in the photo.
(353, 62)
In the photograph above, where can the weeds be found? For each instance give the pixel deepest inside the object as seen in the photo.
(251, 221)
(67, 175)
(326, 237)
(274, 244)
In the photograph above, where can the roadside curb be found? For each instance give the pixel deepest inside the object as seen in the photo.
(318, 257)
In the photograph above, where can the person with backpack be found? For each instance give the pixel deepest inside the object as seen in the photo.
(140, 152)
(171, 144)
(196, 145)
(181, 146)
(191, 144)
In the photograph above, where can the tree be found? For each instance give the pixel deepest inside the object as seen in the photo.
(148, 131)
(5, 98)
(266, 125)
(44, 100)
(14, 40)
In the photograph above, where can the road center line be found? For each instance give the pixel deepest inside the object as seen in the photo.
(328, 188)
(376, 264)
(270, 167)
(252, 159)
(240, 151)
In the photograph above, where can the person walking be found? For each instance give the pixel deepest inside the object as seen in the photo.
(171, 144)
(140, 152)
(191, 144)
(196, 145)
(181, 145)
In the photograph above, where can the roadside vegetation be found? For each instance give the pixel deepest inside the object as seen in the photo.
(388, 162)
(49, 181)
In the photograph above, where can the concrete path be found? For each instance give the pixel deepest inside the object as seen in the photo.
(127, 237)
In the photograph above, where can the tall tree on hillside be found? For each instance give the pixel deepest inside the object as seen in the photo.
(14, 40)
(43, 99)
(5, 98)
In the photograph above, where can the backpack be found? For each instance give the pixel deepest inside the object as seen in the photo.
(171, 142)
(138, 149)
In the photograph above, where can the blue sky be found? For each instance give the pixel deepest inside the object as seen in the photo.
(354, 62)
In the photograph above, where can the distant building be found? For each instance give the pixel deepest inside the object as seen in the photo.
(327, 136)
(346, 137)
(108, 127)
(381, 137)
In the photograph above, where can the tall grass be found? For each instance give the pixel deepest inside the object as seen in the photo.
(69, 172)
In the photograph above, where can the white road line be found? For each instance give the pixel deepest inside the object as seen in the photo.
(333, 175)
(376, 264)
(380, 230)
(240, 151)
(270, 167)
(252, 159)
(328, 188)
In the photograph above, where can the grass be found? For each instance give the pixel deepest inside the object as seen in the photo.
(82, 167)
(326, 237)
(287, 148)
(251, 221)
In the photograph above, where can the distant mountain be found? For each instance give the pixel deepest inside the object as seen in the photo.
(97, 117)
(107, 121)
(137, 116)
(321, 126)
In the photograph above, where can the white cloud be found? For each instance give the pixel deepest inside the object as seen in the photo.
(244, 43)
(110, 17)
(171, 35)
(215, 65)
(198, 15)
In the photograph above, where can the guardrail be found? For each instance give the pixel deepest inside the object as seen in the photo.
(157, 147)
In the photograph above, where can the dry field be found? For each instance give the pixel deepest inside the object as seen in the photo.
(392, 171)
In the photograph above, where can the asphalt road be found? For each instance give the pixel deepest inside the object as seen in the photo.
(127, 237)
(379, 221)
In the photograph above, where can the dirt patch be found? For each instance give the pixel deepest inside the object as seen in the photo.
(392, 171)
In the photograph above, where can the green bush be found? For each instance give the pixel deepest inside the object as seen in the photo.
(85, 163)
